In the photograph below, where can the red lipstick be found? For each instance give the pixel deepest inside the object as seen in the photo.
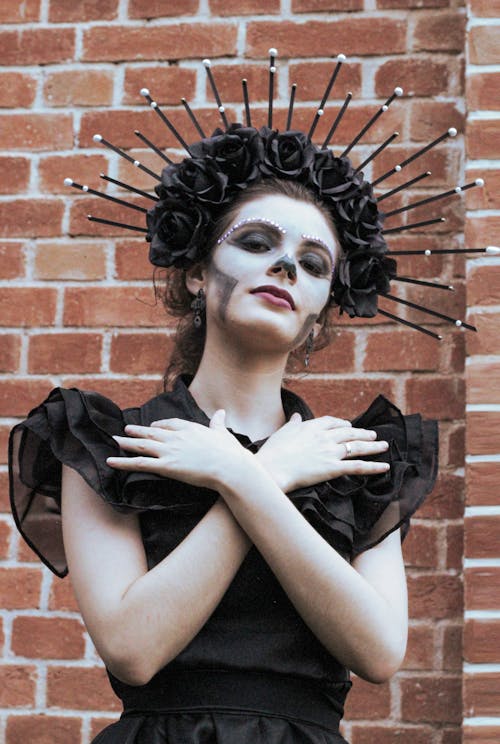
(275, 293)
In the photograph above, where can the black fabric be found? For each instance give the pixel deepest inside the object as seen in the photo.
(255, 630)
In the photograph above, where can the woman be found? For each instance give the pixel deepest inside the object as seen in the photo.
(232, 556)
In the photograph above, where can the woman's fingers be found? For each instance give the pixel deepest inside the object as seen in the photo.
(364, 467)
(357, 448)
(144, 446)
(146, 464)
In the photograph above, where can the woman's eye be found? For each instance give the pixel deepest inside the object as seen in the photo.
(315, 265)
(254, 244)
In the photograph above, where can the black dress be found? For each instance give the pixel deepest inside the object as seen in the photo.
(254, 672)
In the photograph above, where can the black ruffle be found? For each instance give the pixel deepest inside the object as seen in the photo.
(76, 428)
(354, 513)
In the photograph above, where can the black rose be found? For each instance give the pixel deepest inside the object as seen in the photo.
(334, 177)
(359, 280)
(237, 153)
(360, 221)
(196, 177)
(176, 230)
(289, 154)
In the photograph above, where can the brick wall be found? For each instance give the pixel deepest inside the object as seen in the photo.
(81, 311)
(481, 689)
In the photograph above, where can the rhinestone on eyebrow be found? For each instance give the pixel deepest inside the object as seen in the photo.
(316, 239)
(246, 221)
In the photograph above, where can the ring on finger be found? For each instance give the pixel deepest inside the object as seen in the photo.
(348, 449)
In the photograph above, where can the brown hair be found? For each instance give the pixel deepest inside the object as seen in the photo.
(189, 340)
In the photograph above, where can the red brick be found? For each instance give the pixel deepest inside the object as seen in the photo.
(482, 483)
(436, 397)
(62, 597)
(158, 8)
(80, 688)
(20, 11)
(19, 588)
(440, 32)
(17, 90)
(482, 641)
(435, 596)
(446, 500)
(481, 695)
(369, 734)
(454, 546)
(452, 648)
(25, 554)
(39, 46)
(420, 649)
(17, 685)
(27, 306)
(167, 84)
(400, 350)
(431, 699)
(4, 438)
(18, 165)
(43, 729)
(10, 348)
(341, 397)
(56, 353)
(417, 77)
(482, 588)
(429, 119)
(420, 548)
(5, 533)
(483, 285)
(338, 355)
(483, 432)
(482, 537)
(483, 91)
(118, 126)
(482, 231)
(228, 79)
(84, 169)
(481, 734)
(140, 353)
(241, 7)
(368, 701)
(477, 375)
(4, 492)
(484, 42)
(48, 638)
(36, 131)
(112, 306)
(489, 196)
(82, 10)
(443, 162)
(98, 724)
(312, 79)
(124, 392)
(357, 36)
(17, 396)
(79, 88)
(314, 6)
(166, 42)
(456, 447)
(82, 207)
(78, 260)
(131, 260)
(485, 8)
(482, 138)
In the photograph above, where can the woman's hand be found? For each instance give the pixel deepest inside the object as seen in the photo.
(184, 450)
(302, 453)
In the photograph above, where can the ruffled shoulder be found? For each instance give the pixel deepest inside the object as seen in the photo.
(354, 513)
(75, 428)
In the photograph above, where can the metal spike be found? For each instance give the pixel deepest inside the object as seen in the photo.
(452, 132)
(415, 326)
(377, 151)
(404, 186)
(193, 118)
(435, 313)
(290, 106)
(207, 64)
(337, 121)
(115, 199)
(272, 70)
(128, 187)
(319, 113)
(152, 146)
(397, 92)
(116, 224)
(436, 197)
(126, 156)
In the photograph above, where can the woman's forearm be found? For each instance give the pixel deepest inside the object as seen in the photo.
(356, 622)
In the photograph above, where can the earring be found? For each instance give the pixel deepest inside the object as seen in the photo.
(198, 306)
(309, 348)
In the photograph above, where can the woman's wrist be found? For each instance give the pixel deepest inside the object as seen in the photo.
(274, 470)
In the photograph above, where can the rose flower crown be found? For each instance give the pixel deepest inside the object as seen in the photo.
(191, 193)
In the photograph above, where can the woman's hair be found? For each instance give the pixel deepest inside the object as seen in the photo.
(189, 340)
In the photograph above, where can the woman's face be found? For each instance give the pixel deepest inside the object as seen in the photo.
(270, 273)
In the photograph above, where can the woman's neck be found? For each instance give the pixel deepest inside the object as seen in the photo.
(249, 390)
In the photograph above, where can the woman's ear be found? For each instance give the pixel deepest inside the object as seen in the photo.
(195, 278)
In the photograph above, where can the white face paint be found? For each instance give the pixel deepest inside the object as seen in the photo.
(271, 270)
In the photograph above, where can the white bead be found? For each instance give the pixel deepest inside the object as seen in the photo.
(479, 182)
(145, 92)
(427, 252)
(97, 138)
(398, 168)
(68, 182)
(136, 163)
(273, 52)
(85, 188)
(452, 132)
(398, 91)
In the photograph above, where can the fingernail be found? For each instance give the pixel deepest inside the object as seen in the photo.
(154, 423)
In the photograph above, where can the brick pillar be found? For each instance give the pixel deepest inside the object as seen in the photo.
(481, 689)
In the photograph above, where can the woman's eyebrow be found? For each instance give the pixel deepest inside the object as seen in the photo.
(252, 220)
(315, 240)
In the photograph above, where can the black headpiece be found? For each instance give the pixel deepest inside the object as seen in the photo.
(191, 193)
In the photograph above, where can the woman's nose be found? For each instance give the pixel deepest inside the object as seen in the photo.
(284, 264)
